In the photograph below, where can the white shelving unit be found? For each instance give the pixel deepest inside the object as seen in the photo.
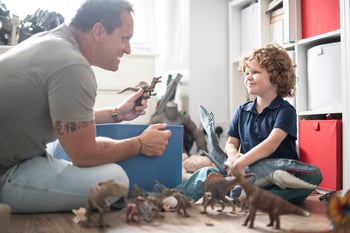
(237, 92)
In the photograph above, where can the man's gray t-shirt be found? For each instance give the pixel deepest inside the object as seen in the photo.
(44, 77)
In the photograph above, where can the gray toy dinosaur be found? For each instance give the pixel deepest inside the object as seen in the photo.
(268, 171)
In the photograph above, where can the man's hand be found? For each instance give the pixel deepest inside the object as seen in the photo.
(154, 139)
(129, 109)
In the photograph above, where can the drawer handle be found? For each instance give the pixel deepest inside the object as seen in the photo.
(317, 126)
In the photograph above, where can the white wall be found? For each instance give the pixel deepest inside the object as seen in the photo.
(208, 75)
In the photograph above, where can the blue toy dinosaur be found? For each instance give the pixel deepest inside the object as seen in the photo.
(267, 171)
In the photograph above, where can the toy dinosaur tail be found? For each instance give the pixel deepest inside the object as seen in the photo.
(215, 153)
(293, 209)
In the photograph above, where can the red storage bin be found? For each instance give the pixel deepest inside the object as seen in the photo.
(320, 143)
(319, 16)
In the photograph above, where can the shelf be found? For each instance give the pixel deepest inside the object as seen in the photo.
(319, 112)
(320, 39)
(241, 3)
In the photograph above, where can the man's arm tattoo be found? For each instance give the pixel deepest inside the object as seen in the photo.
(69, 127)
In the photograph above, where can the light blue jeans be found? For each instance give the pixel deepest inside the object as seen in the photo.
(49, 184)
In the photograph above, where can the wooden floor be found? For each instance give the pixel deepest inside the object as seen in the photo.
(221, 222)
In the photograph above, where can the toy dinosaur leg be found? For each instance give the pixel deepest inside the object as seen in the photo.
(252, 218)
(222, 204)
(246, 219)
(277, 218)
(284, 179)
(274, 218)
(100, 219)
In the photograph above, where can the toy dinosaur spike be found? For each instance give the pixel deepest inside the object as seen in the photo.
(268, 202)
(215, 154)
(168, 94)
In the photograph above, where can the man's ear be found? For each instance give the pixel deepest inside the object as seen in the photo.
(98, 31)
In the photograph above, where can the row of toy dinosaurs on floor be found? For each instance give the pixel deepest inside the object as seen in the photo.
(142, 206)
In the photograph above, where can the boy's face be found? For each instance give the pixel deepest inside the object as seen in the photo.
(257, 79)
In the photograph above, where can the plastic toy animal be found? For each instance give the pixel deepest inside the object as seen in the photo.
(97, 199)
(338, 210)
(148, 89)
(260, 199)
(215, 190)
(267, 171)
(134, 209)
(182, 201)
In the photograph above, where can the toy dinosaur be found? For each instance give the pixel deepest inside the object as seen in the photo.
(182, 204)
(267, 171)
(134, 209)
(338, 211)
(97, 199)
(148, 89)
(216, 189)
(339, 229)
(260, 199)
(171, 89)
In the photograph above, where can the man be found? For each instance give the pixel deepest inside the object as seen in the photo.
(47, 92)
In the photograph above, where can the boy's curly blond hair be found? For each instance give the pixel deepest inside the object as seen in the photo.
(276, 60)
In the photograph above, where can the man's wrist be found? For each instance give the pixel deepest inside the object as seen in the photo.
(115, 115)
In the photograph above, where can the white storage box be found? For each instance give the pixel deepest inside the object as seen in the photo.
(249, 37)
(324, 77)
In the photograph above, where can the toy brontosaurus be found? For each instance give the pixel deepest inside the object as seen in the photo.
(97, 199)
(260, 199)
(266, 171)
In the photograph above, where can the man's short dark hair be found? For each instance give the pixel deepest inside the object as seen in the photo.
(107, 12)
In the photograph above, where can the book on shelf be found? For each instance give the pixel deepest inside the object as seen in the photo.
(289, 21)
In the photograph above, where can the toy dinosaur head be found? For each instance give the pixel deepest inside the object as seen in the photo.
(114, 188)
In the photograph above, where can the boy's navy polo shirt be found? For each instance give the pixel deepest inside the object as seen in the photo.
(252, 128)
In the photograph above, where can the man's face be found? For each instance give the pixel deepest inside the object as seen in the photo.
(117, 43)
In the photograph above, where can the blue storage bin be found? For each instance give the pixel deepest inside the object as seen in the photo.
(141, 169)
(144, 170)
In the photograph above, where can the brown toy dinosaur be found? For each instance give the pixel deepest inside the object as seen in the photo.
(148, 89)
(259, 199)
(182, 204)
(216, 188)
(97, 199)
